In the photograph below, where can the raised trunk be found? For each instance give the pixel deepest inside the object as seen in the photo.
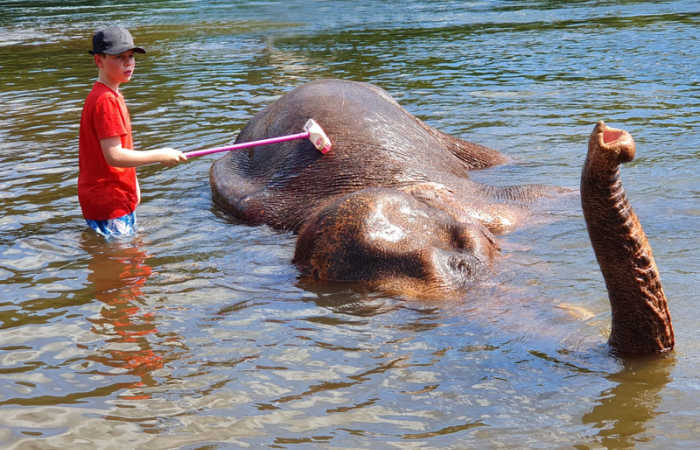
(641, 323)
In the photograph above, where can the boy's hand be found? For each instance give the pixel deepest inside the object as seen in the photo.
(171, 157)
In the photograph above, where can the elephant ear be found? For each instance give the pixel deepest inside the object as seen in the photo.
(474, 156)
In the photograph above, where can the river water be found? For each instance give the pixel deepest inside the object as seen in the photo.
(197, 334)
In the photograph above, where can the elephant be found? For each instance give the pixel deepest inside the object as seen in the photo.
(641, 322)
(392, 208)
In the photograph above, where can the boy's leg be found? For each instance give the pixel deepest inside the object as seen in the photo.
(121, 226)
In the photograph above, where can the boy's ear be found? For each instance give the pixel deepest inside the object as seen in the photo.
(98, 57)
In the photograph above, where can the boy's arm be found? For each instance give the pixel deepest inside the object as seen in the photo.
(117, 156)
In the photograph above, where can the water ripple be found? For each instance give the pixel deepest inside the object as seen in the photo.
(197, 331)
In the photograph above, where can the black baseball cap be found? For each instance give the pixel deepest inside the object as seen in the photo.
(113, 40)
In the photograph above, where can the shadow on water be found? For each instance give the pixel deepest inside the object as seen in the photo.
(622, 412)
(344, 298)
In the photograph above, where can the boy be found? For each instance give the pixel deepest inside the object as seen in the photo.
(108, 190)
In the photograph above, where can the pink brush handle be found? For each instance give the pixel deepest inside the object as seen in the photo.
(275, 140)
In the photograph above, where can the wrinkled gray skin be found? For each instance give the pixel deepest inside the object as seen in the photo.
(641, 322)
(392, 208)
(427, 233)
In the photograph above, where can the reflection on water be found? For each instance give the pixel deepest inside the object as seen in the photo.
(198, 332)
(623, 411)
(118, 270)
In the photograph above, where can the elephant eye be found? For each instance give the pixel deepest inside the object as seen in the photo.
(461, 265)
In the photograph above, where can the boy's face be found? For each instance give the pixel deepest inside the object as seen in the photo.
(117, 68)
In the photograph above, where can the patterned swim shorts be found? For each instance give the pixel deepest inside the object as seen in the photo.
(114, 228)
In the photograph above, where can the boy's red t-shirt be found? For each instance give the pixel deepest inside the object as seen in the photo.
(105, 192)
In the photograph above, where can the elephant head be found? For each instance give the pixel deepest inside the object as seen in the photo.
(396, 242)
(392, 207)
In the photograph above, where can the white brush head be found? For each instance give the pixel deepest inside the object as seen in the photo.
(317, 136)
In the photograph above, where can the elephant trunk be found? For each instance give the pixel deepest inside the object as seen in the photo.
(641, 323)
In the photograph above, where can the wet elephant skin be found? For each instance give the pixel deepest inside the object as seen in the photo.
(392, 208)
